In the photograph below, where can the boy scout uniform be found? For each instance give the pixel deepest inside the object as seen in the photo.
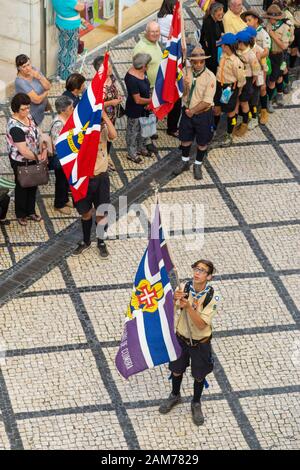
(202, 87)
(200, 352)
(230, 73)
(252, 68)
(276, 53)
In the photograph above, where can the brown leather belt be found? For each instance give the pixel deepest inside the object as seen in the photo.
(195, 341)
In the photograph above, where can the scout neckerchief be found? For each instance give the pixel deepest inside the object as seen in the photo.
(274, 27)
(195, 76)
(196, 296)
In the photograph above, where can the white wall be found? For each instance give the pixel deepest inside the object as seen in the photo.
(20, 30)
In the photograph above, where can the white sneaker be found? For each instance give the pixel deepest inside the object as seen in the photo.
(253, 123)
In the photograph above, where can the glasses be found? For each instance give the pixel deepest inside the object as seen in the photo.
(200, 271)
(25, 108)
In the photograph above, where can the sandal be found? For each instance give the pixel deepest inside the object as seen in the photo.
(134, 158)
(22, 221)
(144, 153)
(34, 217)
(111, 165)
(173, 134)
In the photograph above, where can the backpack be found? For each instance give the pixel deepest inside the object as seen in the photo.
(209, 294)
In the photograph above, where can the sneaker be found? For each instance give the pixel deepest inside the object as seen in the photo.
(169, 403)
(279, 99)
(226, 141)
(197, 169)
(197, 414)
(183, 166)
(264, 116)
(103, 250)
(81, 247)
(4, 222)
(154, 137)
(270, 107)
(253, 124)
(63, 210)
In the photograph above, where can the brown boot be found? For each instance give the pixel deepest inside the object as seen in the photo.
(241, 130)
(264, 116)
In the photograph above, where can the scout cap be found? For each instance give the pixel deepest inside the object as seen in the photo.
(227, 39)
(243, 36)
(251, 31)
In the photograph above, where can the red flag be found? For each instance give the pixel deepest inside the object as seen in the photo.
(78, 142)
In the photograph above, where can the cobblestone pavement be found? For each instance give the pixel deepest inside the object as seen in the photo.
(61, 317)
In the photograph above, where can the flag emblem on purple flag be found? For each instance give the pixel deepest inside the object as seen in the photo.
(149, 339)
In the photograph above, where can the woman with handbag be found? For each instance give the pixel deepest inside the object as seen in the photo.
(138, 89)
(24, 149)
(32, 82)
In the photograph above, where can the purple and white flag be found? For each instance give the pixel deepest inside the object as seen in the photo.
(149, 339)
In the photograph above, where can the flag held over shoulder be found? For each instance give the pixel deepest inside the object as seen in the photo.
(169, 81)
(77, 144)
(149, 339)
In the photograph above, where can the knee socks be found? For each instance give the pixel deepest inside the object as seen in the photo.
(176, 383)
(198, 389)
(86, 229)
(200, 156)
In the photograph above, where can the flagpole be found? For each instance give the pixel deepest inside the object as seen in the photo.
(174, 265)
(183, 40)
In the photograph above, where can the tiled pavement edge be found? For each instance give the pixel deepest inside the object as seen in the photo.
(58, 384)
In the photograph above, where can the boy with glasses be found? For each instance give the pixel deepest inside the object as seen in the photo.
(196, 305)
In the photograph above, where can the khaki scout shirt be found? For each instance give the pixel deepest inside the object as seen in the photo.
(204, 90)
(251, 64)
(101, 164)
(283, 33)
(231, 70)
(206, 314)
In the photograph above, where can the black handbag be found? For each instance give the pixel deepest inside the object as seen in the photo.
(33, 175)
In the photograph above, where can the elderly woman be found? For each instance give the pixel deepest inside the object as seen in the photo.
(112, 100)
(23, 144)
(64, 109)
(211, 32)
(67, 21)
(138, 89)
(32, 82)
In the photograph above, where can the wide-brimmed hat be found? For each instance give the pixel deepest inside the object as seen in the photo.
(198, 54)
(252, 13)
(274, 13)
(227, 39)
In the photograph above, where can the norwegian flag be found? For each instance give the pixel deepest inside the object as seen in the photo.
(169, 81)
(77, 144)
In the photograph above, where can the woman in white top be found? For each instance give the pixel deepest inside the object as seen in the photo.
(164, 19)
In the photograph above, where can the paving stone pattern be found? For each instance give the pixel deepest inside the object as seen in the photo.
(61, 318)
